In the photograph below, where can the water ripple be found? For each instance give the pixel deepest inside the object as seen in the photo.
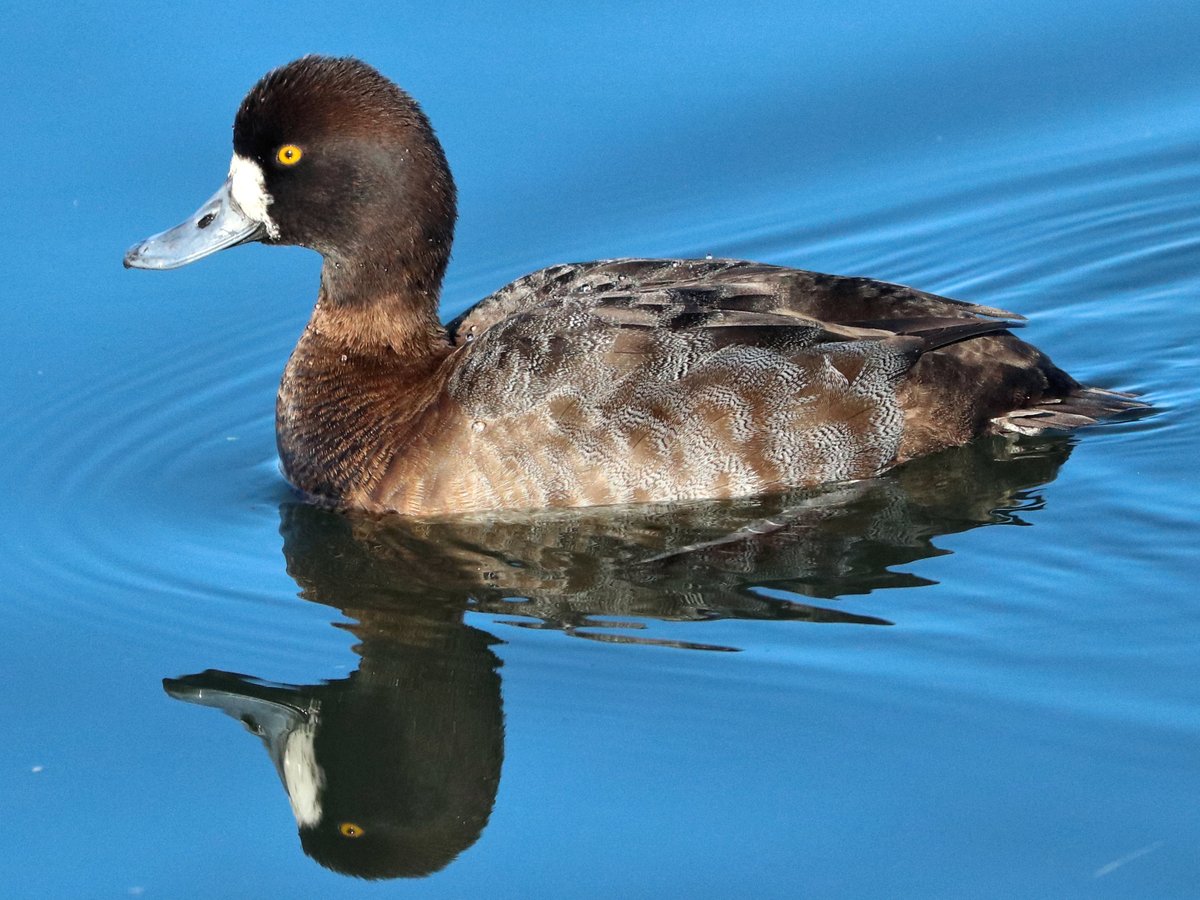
(150, 489)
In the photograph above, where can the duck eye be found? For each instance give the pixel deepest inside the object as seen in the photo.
(289, 154)
(350, 830)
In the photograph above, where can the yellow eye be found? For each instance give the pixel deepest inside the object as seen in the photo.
(289, 154)
(349, 829)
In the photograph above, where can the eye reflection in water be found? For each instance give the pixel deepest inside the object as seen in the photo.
(393, 771)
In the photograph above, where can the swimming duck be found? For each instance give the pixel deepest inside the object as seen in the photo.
(618, 381)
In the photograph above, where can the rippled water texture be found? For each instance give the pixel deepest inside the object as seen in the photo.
(975, 676)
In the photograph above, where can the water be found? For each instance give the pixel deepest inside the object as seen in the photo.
(974, 676)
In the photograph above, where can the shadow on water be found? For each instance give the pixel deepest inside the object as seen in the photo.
(393, 771)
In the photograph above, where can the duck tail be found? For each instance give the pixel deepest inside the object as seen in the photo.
(1082, 406)
(1067, 405)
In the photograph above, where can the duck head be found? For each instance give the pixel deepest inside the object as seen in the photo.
(328, 154)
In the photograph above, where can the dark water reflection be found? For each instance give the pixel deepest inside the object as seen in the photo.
(393, 771)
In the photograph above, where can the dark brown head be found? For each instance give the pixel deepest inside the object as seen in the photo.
(329, 154)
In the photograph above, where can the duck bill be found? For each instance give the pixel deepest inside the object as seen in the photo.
(281, 715)
(270, 711)
(267, 710)
(218, 224)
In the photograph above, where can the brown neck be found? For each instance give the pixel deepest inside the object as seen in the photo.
(367, 309)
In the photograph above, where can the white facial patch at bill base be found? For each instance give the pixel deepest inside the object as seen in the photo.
(303, 777)
(249, 191)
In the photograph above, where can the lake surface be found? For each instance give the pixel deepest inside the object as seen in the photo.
(978, 675)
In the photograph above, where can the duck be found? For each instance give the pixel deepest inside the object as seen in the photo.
(611, 382)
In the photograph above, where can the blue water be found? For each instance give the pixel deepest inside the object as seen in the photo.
(976, 676)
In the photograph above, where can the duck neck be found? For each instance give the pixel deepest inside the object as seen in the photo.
(375, 308)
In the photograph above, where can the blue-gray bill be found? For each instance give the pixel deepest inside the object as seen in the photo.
(218, 224)
(261, 707)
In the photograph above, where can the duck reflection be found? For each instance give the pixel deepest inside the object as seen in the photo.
(393, 771)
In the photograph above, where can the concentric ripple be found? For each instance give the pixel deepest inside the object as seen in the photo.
(151, 497)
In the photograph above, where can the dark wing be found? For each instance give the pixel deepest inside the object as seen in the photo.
(729, 285)
(995, 383)
(593, 326)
